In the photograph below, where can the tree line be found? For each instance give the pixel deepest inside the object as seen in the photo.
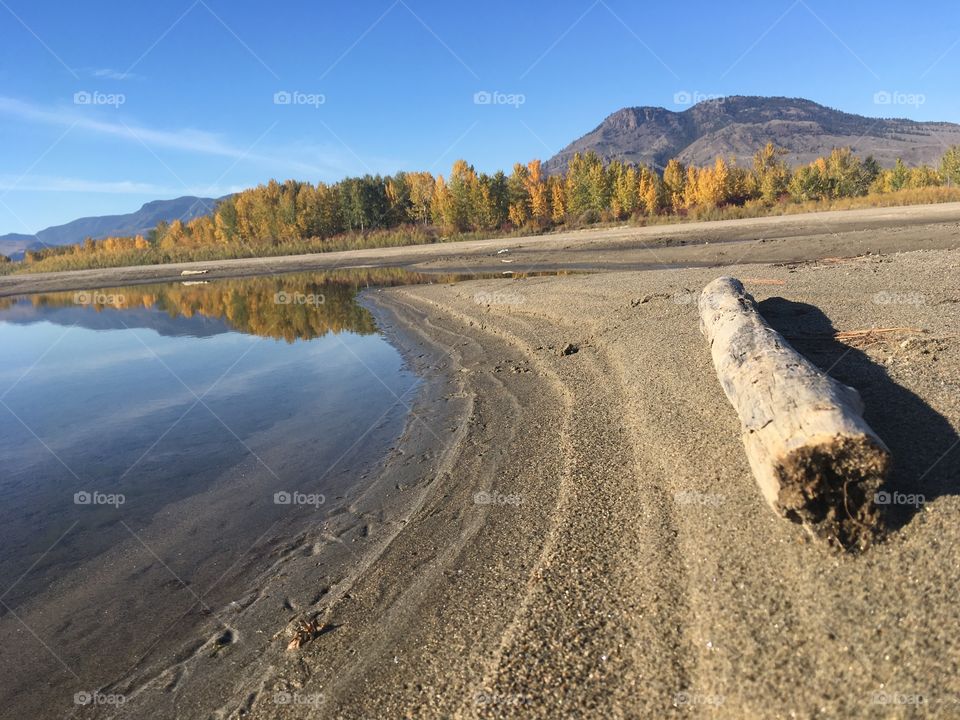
(590, 191)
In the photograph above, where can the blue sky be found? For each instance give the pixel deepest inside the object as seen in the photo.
(178, 97)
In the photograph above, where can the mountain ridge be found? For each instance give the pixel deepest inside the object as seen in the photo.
(738, 125)
(139, 221)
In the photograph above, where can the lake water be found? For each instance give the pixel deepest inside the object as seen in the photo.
(151, 435)
(163, 448)
(116, 404)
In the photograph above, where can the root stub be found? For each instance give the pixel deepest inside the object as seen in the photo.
(831, 488)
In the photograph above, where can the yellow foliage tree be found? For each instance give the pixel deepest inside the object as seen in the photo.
(675, 177)
(537, 191)
(558, 199)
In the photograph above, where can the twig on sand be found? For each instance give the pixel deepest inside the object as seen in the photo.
(765, 281)
(853, 334)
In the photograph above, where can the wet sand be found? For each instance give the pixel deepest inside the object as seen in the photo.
(570, 528)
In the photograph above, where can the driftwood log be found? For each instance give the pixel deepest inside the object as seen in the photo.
(814, 457)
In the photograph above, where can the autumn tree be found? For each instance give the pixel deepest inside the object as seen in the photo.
(950, 165)
(225, 222)
(770, 173)
(600, 188)
(624, 196)
(363, 202)
(899, 176)
(924, 176)
(558, 199)
(691, 187)
(421, 188)
(536, 190)
(844, 174)
(652, 192)
(807, 183)
(519, 195)
(577, 185)
(481, 204)
(174, 236)
(441, 205)
(398, 199)
(712, 184)
(675, 184)
(462, 184)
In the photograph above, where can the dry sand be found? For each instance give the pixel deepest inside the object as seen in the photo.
(628, 566)
(571, 528)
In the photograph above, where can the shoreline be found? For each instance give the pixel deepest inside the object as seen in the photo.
(314, 569)
(784, 238)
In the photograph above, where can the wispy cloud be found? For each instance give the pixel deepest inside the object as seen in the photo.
(196, 141)
(60, 184)
(108, 73)
(320, 163)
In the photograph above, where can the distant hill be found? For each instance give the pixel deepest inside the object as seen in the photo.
(737, 125)
(145, 219)
(24, 312)
(13, 244)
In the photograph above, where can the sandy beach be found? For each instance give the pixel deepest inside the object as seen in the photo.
(625, 564)
(569, 527)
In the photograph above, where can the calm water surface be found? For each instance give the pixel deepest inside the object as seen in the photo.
(117, 406)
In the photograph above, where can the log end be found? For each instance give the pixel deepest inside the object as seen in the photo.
(830, 488)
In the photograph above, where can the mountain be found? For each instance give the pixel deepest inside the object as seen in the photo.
(737, 126)
(13, 244)
(141, 221)
(25, 312)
